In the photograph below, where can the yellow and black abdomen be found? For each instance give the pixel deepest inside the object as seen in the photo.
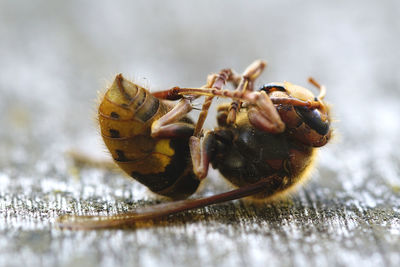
(126, 114)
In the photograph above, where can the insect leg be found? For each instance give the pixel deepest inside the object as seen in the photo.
(226, 75)
(258, 120)
(322, 89)
(246, 83)
(267, 185)
(174, 93)
(201, 152)
(235, 78)
(169, 94)
(251, 97)
(264, 116)
(168, 126)
(216, 81)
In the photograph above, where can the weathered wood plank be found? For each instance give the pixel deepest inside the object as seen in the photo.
(56, 55)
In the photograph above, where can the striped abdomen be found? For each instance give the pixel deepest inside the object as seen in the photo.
(126, 114)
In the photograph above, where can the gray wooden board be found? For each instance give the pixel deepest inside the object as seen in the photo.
(55, 56)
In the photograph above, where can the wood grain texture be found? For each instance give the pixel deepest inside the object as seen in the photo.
(55, 56)
(318, 226)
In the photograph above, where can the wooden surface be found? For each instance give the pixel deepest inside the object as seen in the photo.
(54, 57)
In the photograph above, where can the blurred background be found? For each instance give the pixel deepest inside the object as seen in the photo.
(56, 56)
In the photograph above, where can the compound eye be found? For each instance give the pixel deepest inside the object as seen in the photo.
(312, 117)
(271, 88)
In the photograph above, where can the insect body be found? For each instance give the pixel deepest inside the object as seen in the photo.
(264, 144)
(126, 115)
(246, 153)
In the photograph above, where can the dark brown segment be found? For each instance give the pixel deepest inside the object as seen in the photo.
(272, 87)
(114, 115)
(121, 155)
(114, 133)
(121, 88)
(149, 109)
(177, 177)
(312, 117)
(170, 94)
(222, 117)
(141, 99)
(242, 159)
(184, 187)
